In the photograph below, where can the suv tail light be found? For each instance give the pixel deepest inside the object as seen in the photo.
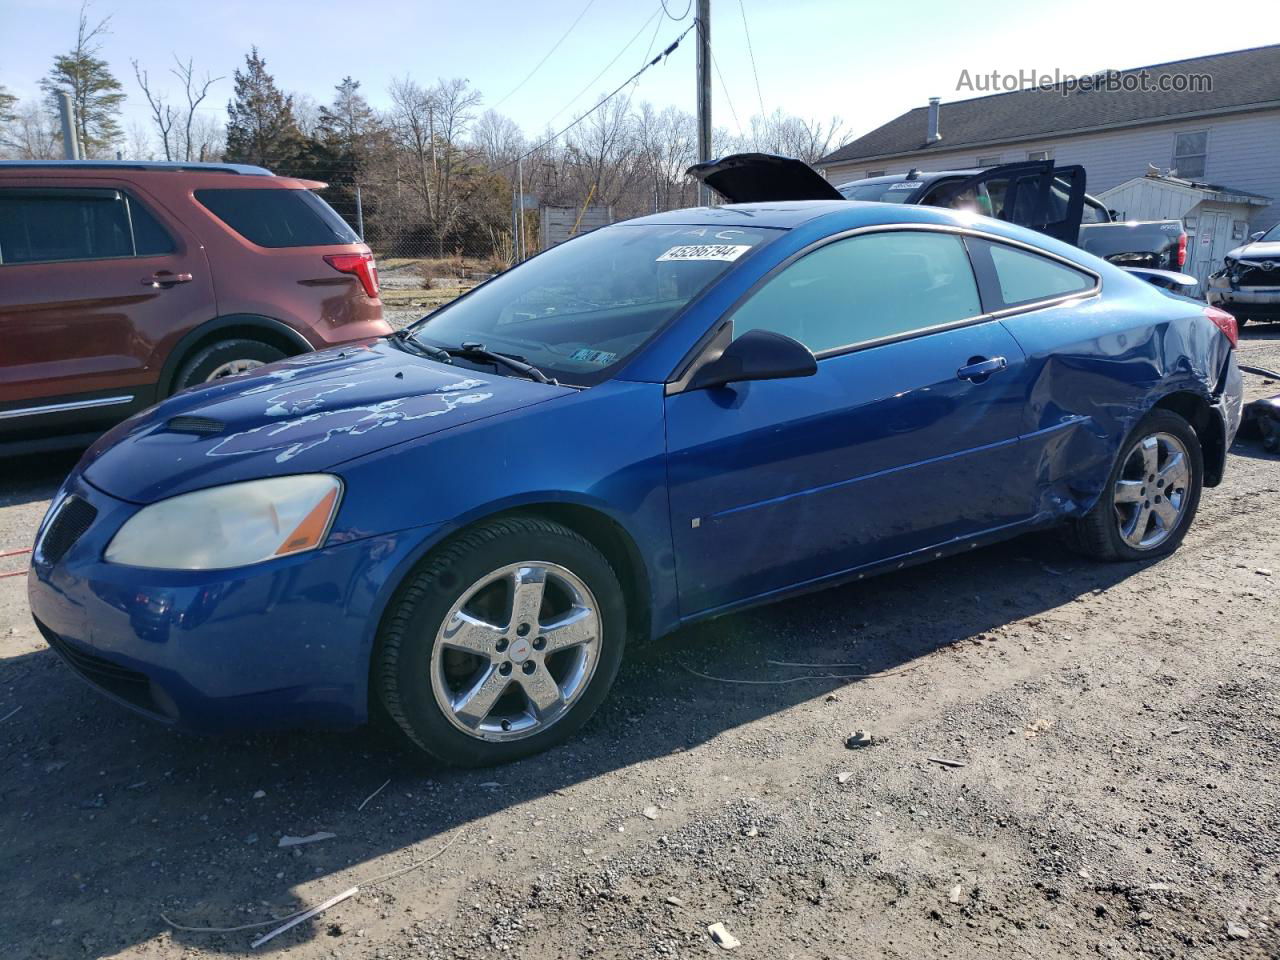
(1182, 249)
(1224, 322)
(360, 265)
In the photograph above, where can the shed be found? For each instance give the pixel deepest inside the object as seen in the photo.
(1216, 218)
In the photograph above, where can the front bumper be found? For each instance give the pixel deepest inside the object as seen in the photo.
(1243, 302)
(281, 644)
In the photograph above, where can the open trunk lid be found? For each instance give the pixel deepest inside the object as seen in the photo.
(762, 178)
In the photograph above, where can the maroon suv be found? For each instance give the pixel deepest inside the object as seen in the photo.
(121, 283)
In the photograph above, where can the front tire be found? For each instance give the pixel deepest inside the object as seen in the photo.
(225, 358)
(502, 643)
(1151, 496)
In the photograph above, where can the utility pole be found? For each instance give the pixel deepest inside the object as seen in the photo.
(70, 136)
(703, 23)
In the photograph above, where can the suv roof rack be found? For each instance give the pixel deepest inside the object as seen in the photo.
(177, 166)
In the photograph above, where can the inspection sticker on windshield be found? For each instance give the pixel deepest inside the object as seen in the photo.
(599, 357)
(706, 251)
(905, 185)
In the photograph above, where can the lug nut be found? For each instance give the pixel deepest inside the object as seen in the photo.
(529, 667)
(502, 644)
(539, 643)
(523, 629)
(505, 669)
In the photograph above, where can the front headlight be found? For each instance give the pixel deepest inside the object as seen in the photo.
(231, 526)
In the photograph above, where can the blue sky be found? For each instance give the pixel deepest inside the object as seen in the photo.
(866, 63)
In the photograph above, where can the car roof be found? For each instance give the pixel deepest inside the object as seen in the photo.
(786, 214)
(923, 176)
(242, 169)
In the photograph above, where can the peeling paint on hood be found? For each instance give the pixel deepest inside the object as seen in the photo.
(308, 413)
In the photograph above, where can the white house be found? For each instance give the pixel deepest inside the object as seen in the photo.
(1225, 139)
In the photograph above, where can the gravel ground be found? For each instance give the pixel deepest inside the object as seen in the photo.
(1118, 726)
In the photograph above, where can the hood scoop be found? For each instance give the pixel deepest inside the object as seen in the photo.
(201, 426)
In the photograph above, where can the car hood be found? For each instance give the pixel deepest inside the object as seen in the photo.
(763, 178)
(308, 413)
(1257, 252)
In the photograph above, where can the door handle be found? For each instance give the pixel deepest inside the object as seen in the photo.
(978, 369)
(163, 278)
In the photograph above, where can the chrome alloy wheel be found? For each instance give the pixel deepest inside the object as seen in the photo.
(1151, 491)
(516, 651)
(233, 368)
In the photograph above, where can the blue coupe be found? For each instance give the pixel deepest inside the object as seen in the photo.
(665, 420)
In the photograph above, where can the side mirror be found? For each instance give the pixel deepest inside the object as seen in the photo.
(1258, 236)
(756, 355)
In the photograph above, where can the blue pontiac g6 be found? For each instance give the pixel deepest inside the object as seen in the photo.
(661, 421)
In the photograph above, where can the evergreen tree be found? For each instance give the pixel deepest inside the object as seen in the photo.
(8, 106)
(261, 127)
(349, 119)
(95, 92)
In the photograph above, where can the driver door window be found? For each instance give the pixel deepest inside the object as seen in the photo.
(866, 289)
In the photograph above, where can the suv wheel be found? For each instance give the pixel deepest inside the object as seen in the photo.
(502, 643)
(226, 358)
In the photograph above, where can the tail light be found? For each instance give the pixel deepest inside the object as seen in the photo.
(1182, 249)
(1224, 322)
(360, 265)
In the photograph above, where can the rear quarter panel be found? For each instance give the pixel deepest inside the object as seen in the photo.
(1098, 367)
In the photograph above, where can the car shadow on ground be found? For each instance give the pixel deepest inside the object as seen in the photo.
(111, 816)
(28, 479)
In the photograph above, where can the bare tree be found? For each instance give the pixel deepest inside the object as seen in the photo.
(33, 134)
(163, 116)
(498, 139)
(191, 146)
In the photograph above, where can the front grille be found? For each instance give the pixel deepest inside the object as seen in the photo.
(74, 517)
(129, 685)
(1257, 277)
(190, 424)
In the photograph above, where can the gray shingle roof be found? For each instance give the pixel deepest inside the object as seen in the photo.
(1239, 78)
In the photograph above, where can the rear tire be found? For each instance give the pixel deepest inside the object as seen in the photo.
(224, 359)
(1151, 496)
(502, 643)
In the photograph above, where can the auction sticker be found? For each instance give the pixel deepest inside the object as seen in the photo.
(706, 251)
(598, 357)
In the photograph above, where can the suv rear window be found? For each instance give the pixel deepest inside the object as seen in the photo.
(278, 218)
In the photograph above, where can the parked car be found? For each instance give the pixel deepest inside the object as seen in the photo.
(658, 422)
(1036, 194)
(1248, 285)
(121, 283)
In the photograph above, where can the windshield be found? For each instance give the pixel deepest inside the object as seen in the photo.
(886, 191)
(1272, 235)
(580, 309)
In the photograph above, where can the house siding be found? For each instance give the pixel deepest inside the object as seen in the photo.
(1243, 154)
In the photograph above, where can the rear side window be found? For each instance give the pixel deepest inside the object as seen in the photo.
(45, 225)
(1025, 277)
(278, 218)
(867, 288)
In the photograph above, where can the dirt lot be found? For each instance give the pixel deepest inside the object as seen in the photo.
(1119, 728)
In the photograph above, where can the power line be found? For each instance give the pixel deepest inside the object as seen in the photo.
(554, 48)
(728, 99)
(751, 53)
(577, 96)
(622, 86)
(687, 8)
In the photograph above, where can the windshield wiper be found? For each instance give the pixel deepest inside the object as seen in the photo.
(406, 339)
(477, 351)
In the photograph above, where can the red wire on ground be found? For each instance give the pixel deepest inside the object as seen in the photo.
(15, 553)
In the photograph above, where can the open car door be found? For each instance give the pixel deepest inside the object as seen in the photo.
(763, 177)
(1036, 194)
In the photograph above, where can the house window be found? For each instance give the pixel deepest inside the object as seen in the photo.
(1189, 151)
(1038, 154)
(1238, 229)
(1189, 224)
(988, 162)
(875, 173)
